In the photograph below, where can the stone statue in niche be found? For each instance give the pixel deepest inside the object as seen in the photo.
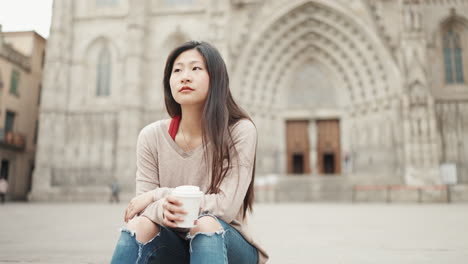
(412, 18)
(417, 94)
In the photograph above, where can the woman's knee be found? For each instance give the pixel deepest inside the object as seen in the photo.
(206, 224)
(144, 228)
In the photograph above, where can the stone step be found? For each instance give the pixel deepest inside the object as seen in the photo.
(332, 188)
(340, 189)
(78, 194)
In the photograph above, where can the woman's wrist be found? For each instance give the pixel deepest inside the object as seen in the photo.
(151, 195)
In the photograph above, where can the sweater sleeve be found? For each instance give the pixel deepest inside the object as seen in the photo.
(147, 175)
(227, 203)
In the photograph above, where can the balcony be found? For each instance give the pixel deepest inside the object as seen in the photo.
(12, 140)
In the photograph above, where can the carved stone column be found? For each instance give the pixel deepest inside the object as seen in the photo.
(218, 15)
(55, 97)
(419, 120)
(131, 114)
(313, 146)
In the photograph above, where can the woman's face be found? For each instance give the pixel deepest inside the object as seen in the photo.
(189, 79)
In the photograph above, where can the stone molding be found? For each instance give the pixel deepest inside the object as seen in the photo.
(13, 56)
(328, 36)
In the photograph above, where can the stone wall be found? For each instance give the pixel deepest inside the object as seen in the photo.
(371, 57)
(452, 121)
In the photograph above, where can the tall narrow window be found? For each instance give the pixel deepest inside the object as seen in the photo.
(103, 73)
(14, 82)
(5, 169)
(9, 121)
(458, 60)
(180, 2)
(453, 57)
(101, 3)
(43, 59)
(1, 80)
(36, 130)
(39, 95)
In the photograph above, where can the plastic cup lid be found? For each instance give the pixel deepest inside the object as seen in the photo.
(187, 191)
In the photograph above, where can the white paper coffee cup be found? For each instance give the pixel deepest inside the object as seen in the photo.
(190, 196)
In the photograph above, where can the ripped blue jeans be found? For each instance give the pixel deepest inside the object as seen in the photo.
(224, 246)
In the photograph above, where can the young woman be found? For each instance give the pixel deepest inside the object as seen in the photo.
(209, 142)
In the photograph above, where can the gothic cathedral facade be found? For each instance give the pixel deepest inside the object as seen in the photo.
(370, 90)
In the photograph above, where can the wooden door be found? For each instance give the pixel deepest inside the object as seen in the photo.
(297, 147)
(328, 147)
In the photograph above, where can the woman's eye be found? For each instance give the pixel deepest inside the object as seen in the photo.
(176, 70)
(196, 68)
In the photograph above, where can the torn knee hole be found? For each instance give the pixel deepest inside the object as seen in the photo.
(206, 224)
(126, 230)
(219, 232)
(138, 238)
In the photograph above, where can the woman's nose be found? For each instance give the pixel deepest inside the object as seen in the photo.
(186, 77)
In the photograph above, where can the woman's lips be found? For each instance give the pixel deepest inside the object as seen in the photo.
(185, 88)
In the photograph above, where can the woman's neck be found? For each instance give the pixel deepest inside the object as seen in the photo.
(191, 121)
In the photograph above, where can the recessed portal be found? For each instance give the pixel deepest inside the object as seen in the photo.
(298, 163)
(297, 138)
(328, 147)
(5, 169)
(329, 163)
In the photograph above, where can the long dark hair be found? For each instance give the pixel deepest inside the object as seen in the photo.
(220, 112)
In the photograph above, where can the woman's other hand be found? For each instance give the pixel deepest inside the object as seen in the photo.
(171, 211)
(138, 204)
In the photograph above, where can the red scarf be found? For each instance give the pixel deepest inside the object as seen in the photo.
(174, 126)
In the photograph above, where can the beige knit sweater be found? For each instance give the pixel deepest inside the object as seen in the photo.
(162, 165)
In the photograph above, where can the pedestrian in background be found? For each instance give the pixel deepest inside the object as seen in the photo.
(115, 190)
(3, 189)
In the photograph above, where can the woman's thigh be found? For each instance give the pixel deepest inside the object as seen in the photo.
(238, 249)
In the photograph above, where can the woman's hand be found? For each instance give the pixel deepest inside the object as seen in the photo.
(171, 207)
(138, 204)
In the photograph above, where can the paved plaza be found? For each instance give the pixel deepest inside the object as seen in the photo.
(292, 233)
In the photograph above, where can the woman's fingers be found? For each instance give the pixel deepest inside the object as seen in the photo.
(173, 200)
(172, 212)
(137, 205)
(172, 216)
(170, 220)
(168, 223)
(127, 215)
(129, 212)
(174, 208)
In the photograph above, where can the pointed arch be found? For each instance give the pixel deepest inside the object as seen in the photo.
(174, 39)
(454, 34)
(326, 32)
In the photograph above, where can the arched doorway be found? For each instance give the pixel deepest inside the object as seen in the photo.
(348, 81)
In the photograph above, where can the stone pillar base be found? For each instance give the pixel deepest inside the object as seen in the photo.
(78, 194)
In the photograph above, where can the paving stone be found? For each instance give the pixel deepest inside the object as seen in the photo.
(292, 232)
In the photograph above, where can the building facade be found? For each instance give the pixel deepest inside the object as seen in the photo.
(372, 91)
(21, 63)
